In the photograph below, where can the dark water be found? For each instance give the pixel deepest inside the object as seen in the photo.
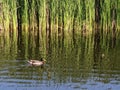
(71, 64)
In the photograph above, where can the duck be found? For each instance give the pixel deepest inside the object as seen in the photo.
(37, 62)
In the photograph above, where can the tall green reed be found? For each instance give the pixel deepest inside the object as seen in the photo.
(65, 17)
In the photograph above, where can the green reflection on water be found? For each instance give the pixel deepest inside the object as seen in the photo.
(68, 59)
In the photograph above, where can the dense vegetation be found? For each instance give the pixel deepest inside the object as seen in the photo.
(59, 16)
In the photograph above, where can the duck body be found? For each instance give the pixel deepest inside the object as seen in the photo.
(36, 62)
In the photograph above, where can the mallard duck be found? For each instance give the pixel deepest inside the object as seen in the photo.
(37, 62)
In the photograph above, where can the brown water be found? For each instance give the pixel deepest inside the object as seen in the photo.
(71, 64)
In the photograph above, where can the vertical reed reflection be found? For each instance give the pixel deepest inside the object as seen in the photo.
(97, 46)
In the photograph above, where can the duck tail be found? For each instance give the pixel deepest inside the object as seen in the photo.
(28, 61)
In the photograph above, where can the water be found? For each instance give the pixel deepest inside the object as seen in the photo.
(78, 66)
(21, 76)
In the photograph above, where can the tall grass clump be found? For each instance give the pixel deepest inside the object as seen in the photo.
(24, 7)
(9, 10)
(59, 17)
(118, 13)
(105, 14)
(40, 16)
(31, 13)
(6, 15)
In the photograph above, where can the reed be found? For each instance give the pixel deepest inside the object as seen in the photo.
(63, 18)
(6, 15)
(24, 12)
(118, 14)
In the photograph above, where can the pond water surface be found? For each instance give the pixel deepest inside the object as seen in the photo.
(69, 65)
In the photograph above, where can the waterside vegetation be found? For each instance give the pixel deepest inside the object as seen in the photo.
(59, 16)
